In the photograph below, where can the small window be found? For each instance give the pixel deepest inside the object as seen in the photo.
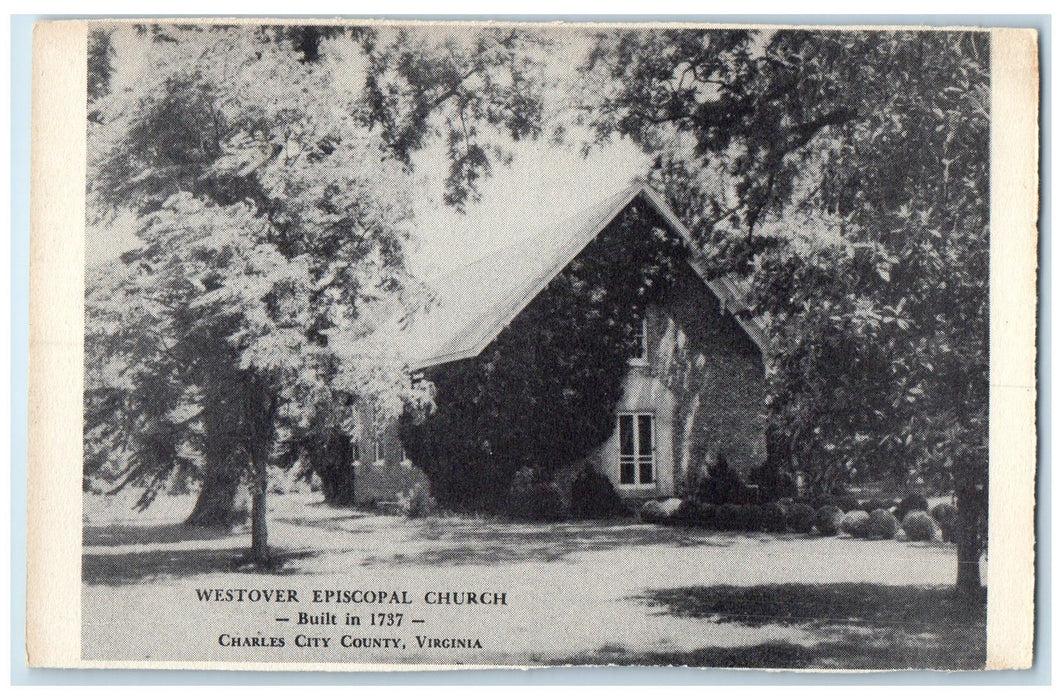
(357, 452)
(641, 341)
(637, 436)
(377, 451)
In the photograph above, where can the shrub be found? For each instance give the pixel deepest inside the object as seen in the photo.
(686, 514)
(693, 513)
(772, 482)
(728, 516)
(722, 484)
(800, 518)
(947, 517)
(417, 502)
(535, 499)
(881, 525)
(661, 512)
(910, 503)
(846, 502)
(855, 523)
(708, 515)
(652, 512)
(828, 520)
(773, 518)
(750, 517)
(594, 496)
(875, 504)
(919, 527)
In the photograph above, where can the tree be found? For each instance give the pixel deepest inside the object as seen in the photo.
(272, 221)
(846, 174)
(543, 393)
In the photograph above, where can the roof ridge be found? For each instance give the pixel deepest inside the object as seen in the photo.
(631, 190)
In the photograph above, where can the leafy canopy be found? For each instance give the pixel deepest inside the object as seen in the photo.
(270, 173)
(846, 174)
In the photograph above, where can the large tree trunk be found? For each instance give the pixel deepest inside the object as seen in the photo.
(972, 504)
(333, 462)
(222, 456)
(215, 506)
(968, 576)
(259, 528)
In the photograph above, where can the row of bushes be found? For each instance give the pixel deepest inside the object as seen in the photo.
(801, 518)
(848, 503)
(532, 497)
(722, 485)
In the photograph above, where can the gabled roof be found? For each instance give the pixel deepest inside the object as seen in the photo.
(476, 302)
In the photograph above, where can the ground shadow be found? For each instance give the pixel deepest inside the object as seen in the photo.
(497, 542)
(830, 655)
(854, 625)
(117, 534)
(141, 567)
(840, 603)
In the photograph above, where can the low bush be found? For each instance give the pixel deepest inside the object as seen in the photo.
(661, 512)
(594, 496)
(773, 483)
(855, 523)
(919, 527)
(947, 517)
(728, 516)
(533, 498)
(800, 518)
(689, 513)
(750, 517)
(710, 516)
(417, 502)
(828, 520)
(722, 484)
(772, 518)
(846, 502)
(910, 503)
(881, 525)
(652, 512)
(875, 504)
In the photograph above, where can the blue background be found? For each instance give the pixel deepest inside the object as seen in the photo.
(21, 45)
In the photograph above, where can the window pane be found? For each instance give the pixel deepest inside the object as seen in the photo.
(626, 472)
(645, 435)
(626, 431)
(645, 471)
(641, 341)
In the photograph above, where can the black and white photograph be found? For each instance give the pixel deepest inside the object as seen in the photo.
(461, 344)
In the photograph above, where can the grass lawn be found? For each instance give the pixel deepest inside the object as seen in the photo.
(576, 592)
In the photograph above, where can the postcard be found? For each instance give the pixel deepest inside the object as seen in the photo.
(373, 345)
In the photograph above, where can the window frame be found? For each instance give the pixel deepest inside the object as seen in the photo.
(642, 358)
(636, 458)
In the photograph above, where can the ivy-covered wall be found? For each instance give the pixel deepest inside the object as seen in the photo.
(717, 374)
(704, 384)
(544, 394)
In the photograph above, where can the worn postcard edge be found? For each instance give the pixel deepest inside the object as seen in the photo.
(56, 355)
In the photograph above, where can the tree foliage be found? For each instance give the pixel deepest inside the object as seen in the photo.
(544, 392)
(272, 220)
(846, 174)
